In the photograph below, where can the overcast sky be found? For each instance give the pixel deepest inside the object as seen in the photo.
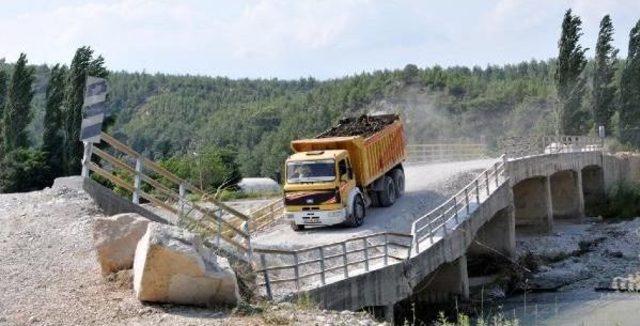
(291, 39)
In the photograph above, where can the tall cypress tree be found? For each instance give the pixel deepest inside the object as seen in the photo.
(17, 112)
(630, 91)
(569, 83)
(604, 88)
(3, 95)
(53, 135)
(82, 65)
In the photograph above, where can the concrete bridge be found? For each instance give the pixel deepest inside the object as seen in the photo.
(528, 192)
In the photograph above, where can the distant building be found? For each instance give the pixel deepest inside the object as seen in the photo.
(251, 185)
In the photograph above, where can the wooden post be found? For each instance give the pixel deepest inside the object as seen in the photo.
(344, 260)
(366, 254)
(322, 275)
(86, 159)
(265, 273)
(137, 181)
(296, 270)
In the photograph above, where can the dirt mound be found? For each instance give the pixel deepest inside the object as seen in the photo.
(364, 125)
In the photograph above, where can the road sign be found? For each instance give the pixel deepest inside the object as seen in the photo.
(94, 109)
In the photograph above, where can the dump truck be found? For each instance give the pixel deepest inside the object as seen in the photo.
(333, 178)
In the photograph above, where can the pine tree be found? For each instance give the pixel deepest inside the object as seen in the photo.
(3, 95)
(17, 112)
(604, 89)
(82, 65)
(630, 91)
(53, 135)
(569, 83)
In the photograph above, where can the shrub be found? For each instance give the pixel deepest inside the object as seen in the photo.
(623, 200)
(24, 170)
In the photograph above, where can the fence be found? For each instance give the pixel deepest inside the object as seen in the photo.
(535, 145)
(155, 184)
(266, 215)
(438, 222)
(298, 269)
(444, 152)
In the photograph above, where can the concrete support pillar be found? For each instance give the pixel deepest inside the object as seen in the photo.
(449, 281)
(567, 195)
(549, 221)
(579, 194)
(388, 314)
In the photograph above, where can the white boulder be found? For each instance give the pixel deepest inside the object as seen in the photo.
(116, 238)
(170, 267)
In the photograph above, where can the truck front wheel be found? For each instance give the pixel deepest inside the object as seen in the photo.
(388, 194)
(356, 218)
(398, 179)
(297, 227)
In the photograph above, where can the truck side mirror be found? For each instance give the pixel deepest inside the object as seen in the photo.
(342, 169)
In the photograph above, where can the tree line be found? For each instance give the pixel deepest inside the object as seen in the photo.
(23, 166)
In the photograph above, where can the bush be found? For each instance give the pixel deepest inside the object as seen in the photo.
(623, 200)
(24, 170)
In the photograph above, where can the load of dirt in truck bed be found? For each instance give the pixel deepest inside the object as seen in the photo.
(364, 125)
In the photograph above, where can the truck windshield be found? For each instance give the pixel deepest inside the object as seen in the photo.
(311, 171)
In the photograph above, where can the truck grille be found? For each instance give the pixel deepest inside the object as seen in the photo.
(311, 198)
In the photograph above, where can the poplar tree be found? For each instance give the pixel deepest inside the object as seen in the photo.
(569, 83)
(630, 91)
(17, 113)
(82, 65)
(53, 135)
(604, 88)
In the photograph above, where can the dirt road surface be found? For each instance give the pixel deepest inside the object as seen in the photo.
(427, 186)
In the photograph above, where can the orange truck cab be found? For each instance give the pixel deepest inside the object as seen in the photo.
(332, 180)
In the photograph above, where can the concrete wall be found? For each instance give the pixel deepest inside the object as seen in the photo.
(112, 204)
(497, 236)
(448, 282)
(594, 190)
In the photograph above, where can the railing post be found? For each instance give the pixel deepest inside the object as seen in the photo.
(265, 273)
(455, 209)
(486, 180)
(296, 270)
(322, 275)
(478, 191)
(344, 260)
(414, 239)
(182, 193)
(86, 158)
(386, 249)
(219, 224)
(137, 181)
(466, 198)
(366, 254)
(496, 174)
(245, 227)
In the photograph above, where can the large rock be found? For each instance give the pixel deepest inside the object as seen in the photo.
(116, 238)
(170, 266)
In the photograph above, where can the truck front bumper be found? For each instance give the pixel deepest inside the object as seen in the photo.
(317, 217)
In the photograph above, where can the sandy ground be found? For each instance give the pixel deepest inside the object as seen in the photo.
(49, 274)
(427, 186)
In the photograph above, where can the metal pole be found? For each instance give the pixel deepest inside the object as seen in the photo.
(137, 181)
(486, 179)
(86, 159)
(266, 276)
(455, 209)
(322, 275)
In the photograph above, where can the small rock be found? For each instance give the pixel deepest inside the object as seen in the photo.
(33, 319)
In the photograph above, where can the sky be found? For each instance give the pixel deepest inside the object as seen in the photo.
(299, 38)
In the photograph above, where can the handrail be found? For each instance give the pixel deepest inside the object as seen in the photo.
(211, 223)
(444, 152)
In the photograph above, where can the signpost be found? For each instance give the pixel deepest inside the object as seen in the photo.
(93, 113)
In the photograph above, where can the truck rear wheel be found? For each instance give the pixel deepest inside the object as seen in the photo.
(356, 218)
(375, 198)
(398, 179)
(297, 227)
(388, 194)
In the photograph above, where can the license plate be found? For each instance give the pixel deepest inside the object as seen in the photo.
(312, 220)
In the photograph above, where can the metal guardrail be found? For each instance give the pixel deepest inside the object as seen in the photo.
(437, 224)
(222, 223)
(526, 146)
(333, 261)
(444, 152)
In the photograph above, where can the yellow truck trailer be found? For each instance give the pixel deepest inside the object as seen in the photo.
(332, 178)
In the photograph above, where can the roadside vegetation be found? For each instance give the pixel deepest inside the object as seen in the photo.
(623, 200)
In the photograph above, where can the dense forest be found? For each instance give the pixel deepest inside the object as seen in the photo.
(251, 122)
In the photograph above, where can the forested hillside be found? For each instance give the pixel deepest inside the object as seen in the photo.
(164, 115)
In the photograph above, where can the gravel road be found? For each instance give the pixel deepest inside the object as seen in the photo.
(427, 186)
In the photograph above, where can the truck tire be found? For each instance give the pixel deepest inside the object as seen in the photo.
(375, 198)
(388, 194)
(358, 212)
(297, 227)
(398, 179)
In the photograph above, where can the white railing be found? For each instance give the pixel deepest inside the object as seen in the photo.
(437, 224)
(445, 152)
(535, 145)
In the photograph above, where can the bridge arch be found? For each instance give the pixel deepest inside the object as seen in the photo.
(532, 202)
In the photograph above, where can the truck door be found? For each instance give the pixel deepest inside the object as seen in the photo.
(347, 180)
